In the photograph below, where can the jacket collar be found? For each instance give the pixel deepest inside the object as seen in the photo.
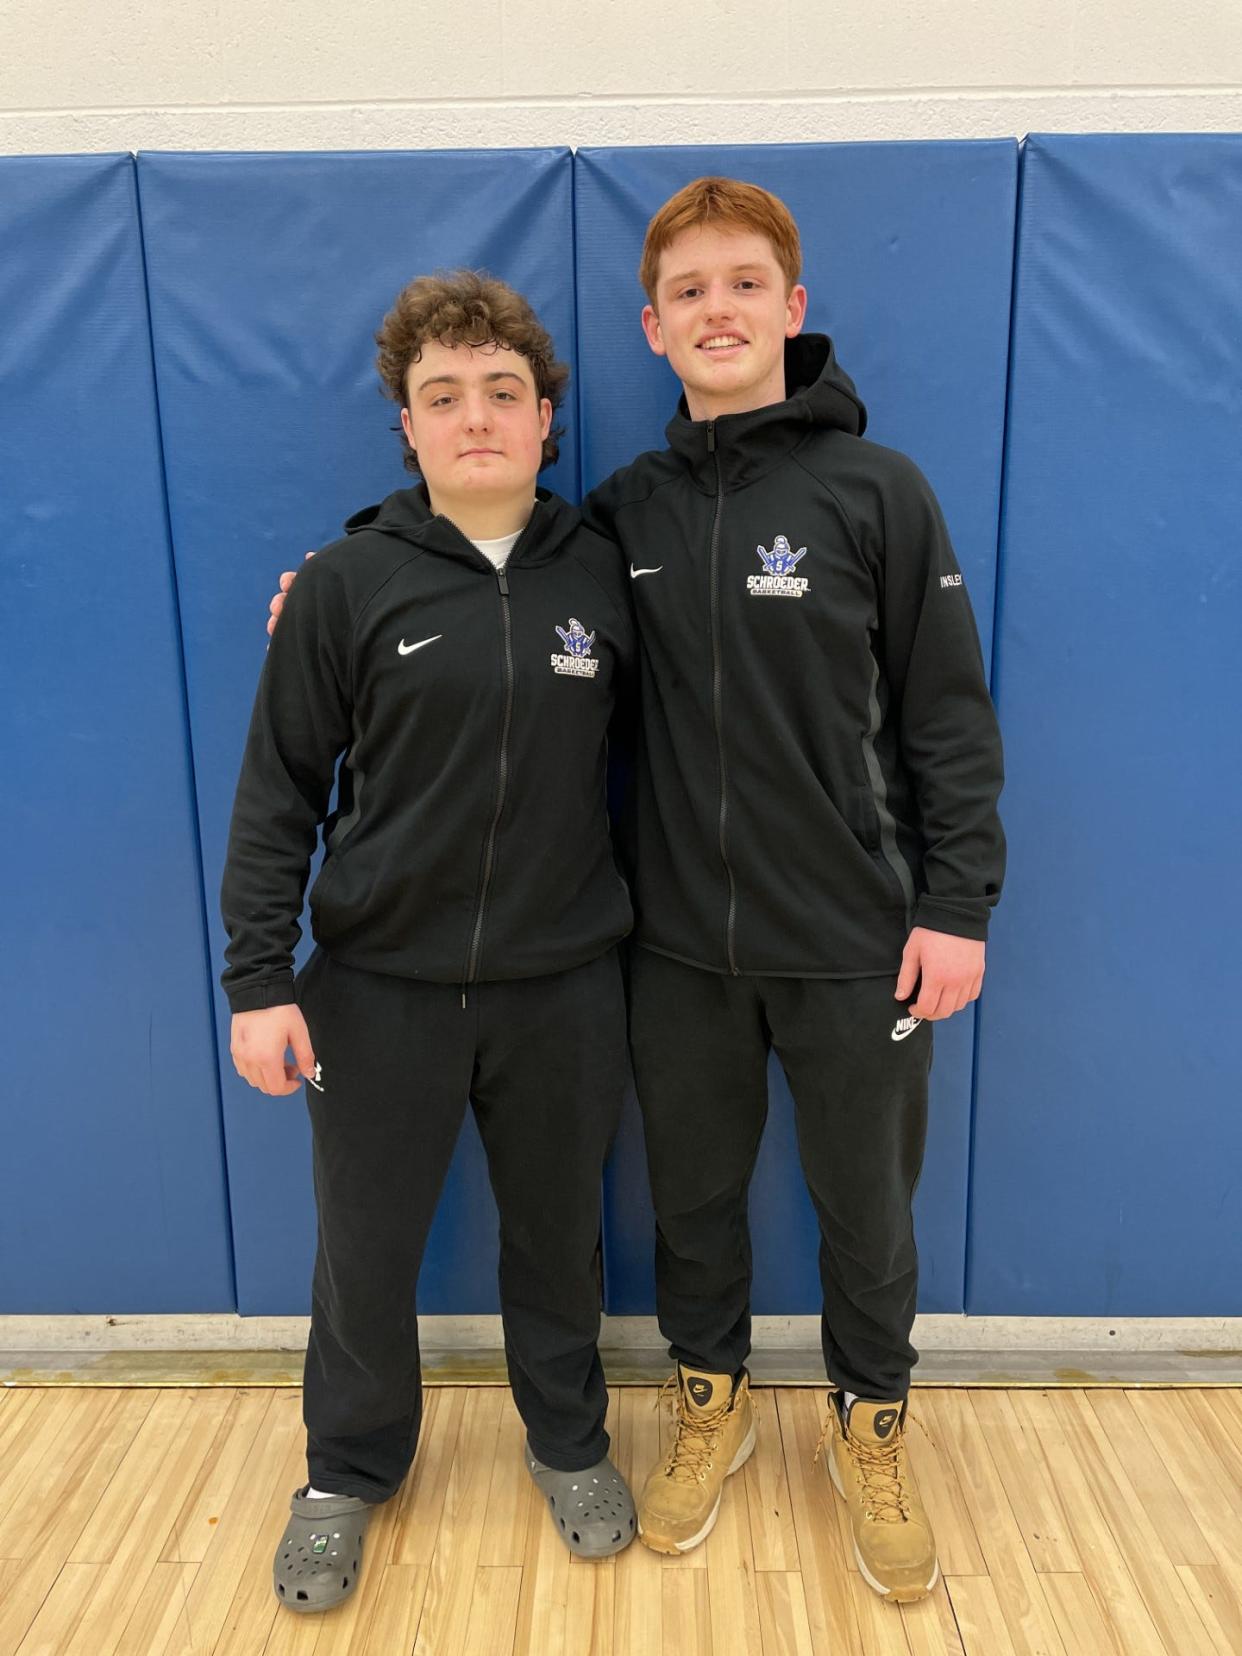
(408, 515)
(746, 446)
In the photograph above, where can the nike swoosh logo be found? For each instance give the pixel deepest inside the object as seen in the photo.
(635, 573)
(408, 649)
(904, 1027)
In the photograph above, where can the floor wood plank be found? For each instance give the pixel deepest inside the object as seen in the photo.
(783, 1618)
(62, 1610)
(80, 1484)
(1175, 1438)
(1027, 1616)
(956, 1543)
(1138, 1534)
(162, 1464)
(1071, 1522)
(1080, 1618)
(590, 1609)
(1028, 1483)
(931, 1626)
(251, 1521)
(881, 1629)
(503, 1541)
(774, 1541)
(39, 1497)
(159, 1625)
(1156, 1488)
(686, 1612)
(493, 1612)
(1103, 1564)
(1219, 1606)
(638, 1616)
(226, 1462)
(420, 1500)
(398, 1609)
(17, 1409)
(455, 1559)
(41, 1430)
(983, 1625)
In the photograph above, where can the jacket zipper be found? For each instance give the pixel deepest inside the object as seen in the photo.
(502, 779)
(717, 698)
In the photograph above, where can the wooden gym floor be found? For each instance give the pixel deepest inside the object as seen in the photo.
(1103, 1522)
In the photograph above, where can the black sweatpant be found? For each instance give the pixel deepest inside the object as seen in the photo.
(543, 1062)
(700, 1043)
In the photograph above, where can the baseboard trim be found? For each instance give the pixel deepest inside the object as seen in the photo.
(225, 1332)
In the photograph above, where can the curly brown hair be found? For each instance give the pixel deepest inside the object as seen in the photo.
(466, 307)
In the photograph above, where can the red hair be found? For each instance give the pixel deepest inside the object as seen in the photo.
(730, 204)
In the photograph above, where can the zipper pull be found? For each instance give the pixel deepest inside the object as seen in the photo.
(504, 582)
(711, 436)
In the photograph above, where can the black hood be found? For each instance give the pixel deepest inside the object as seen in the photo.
(406, 514)
(819, 393)
(816, 380)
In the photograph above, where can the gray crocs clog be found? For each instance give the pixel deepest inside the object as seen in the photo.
(320, 1553)
(593, 1510)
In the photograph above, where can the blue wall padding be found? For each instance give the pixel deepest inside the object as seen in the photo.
(1108, 1129)
(269, 275)
(112, 1188)
(908, 254)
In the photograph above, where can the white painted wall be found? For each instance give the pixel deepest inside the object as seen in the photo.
(398, 74)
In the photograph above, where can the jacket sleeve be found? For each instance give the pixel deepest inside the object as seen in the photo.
(950, 739)
(299, 728)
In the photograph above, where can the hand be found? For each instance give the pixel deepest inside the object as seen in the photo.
(278, 602)
(258, 1047)
(951, 969)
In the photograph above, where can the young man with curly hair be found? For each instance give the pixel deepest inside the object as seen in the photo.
(461, 653)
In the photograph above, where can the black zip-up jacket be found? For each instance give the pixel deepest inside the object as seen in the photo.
(820, 761)
(470, 840)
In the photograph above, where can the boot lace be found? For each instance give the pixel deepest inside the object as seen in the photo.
(691, 1452)
(879, 1471)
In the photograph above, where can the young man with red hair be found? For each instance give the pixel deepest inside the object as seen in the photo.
(817, 849)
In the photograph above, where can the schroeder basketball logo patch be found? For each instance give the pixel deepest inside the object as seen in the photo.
(577, 661)
(778, 579)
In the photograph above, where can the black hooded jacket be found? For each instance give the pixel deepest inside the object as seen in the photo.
(820, 761)
(470, 841)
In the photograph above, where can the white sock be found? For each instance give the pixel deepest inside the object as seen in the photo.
(846, 1399)
(318, 1494)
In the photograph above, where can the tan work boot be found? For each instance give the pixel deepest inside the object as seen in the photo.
(715, 1434)
(893, 1542)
